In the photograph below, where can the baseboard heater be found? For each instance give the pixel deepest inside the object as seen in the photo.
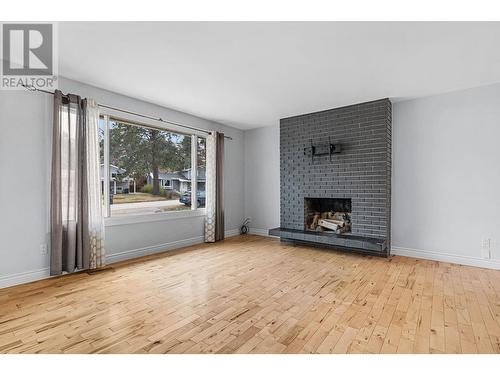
(349, 242)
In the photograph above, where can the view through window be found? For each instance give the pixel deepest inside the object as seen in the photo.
(150, 169)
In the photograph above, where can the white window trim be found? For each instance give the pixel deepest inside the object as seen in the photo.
(109, 221)
(118, 115)
(148, 218)
(194, 172)
(105, 168)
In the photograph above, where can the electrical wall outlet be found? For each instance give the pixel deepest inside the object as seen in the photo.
(43, 249)
(486, 248)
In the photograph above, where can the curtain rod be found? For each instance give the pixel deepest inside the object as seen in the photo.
(159, 119)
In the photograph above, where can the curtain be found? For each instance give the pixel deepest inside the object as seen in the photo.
(214, 223)
(77, 232)
(95, 222)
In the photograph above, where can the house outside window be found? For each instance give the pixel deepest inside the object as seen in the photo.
(149, 169)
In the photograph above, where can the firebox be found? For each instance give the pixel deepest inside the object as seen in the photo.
(331, 215)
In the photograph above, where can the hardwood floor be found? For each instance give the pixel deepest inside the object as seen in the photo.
(252, 294)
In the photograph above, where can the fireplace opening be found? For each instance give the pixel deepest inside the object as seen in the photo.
(329, 215)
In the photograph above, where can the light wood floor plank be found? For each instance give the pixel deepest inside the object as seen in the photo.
(251, 294)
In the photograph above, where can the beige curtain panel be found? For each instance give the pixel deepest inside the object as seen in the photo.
(214, 222)
(77, 231)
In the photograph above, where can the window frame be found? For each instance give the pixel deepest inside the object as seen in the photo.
(109, 115)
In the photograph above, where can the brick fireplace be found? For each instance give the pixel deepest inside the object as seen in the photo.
(340, 157)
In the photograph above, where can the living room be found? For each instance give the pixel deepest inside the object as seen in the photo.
(250, 187)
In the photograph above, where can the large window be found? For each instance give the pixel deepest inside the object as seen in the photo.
(147, 170)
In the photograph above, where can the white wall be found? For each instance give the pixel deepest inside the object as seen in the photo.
(25, 137)
(446, 180)
(446, 176)
(262, 178)
(24, 188)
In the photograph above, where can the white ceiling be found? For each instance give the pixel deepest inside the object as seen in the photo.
(252, 74)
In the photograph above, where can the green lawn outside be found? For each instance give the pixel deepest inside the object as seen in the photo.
(137, 197)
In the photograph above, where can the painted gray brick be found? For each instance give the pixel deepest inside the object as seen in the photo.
(361, 172)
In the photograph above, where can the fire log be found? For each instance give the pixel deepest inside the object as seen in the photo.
(340, 223)
(328, 224)
(315, 222)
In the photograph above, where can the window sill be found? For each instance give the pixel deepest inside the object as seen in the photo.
(148, 218)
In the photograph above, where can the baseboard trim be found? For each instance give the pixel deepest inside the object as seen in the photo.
(24, 277)
(446, 257)
(232, 233)
(44, 273)
(149, 250)
(423, 254)
(261, 232)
